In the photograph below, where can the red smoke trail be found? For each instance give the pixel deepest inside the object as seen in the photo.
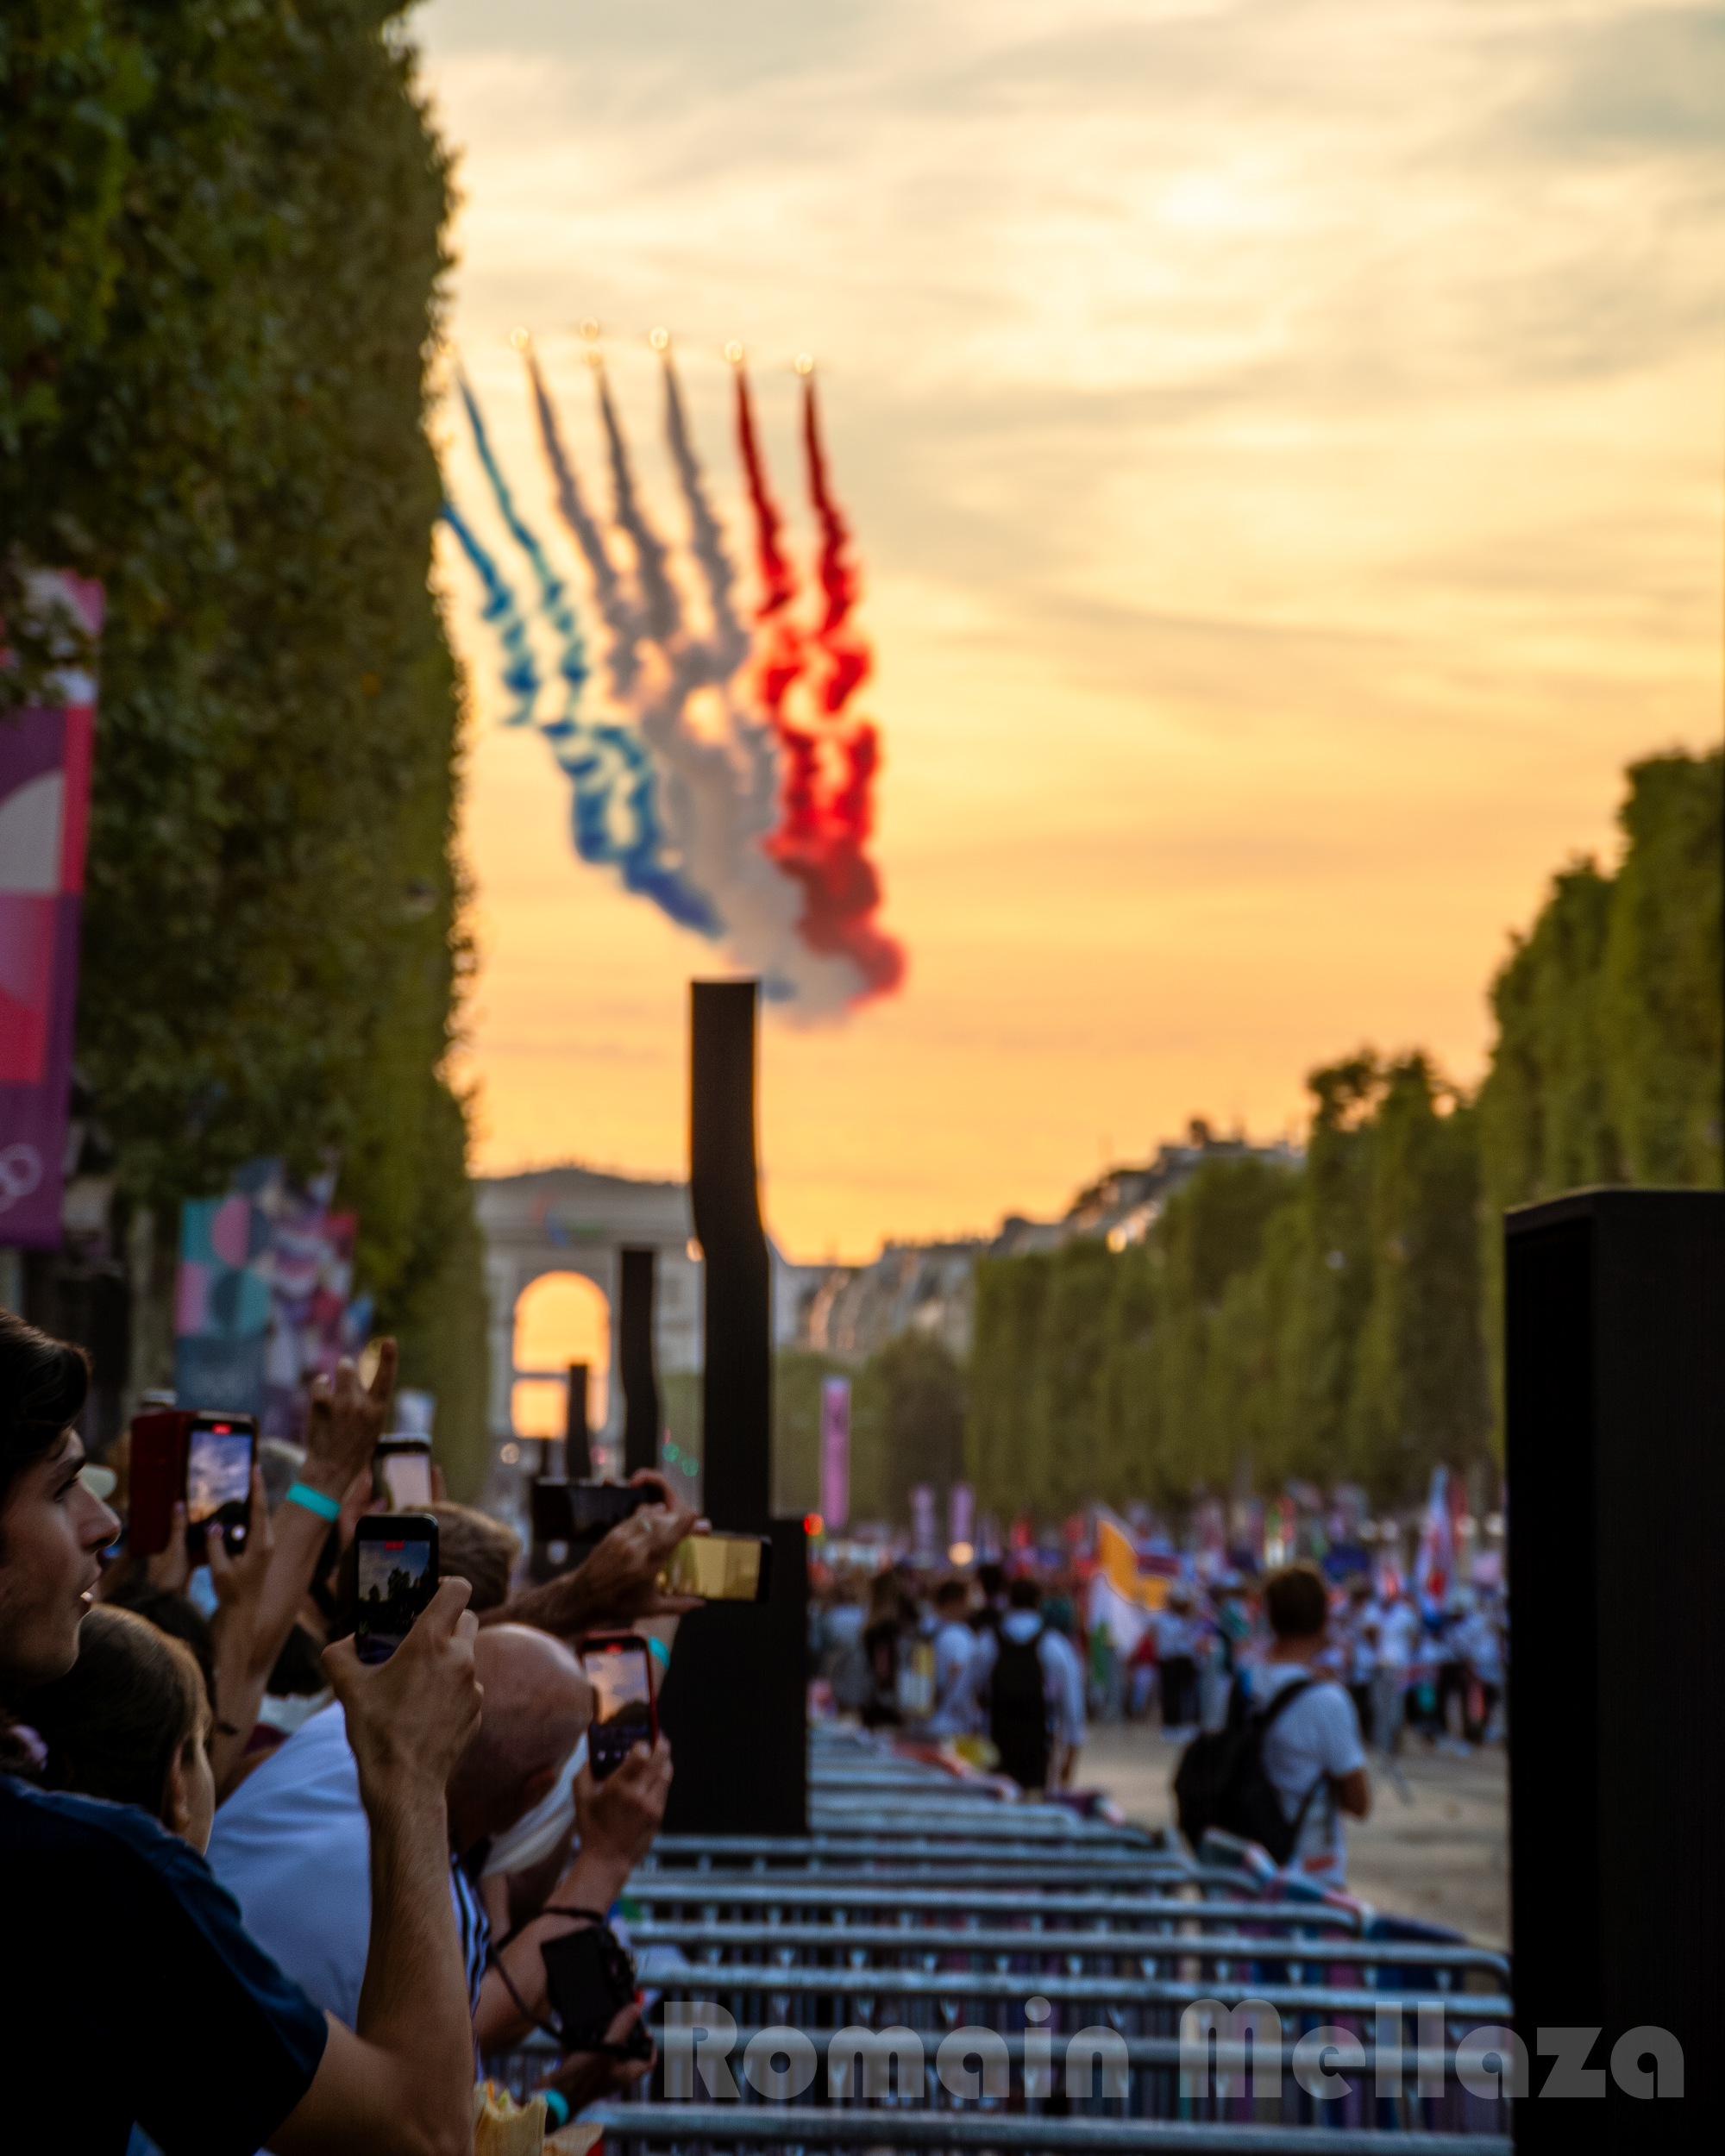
(826, 795)
(783, 658)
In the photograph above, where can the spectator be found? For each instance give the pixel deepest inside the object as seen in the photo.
(291, 1844)
(1035, 1706)
(955, 1650)
(129, 1721)
(1312, 1752)
(1059, 1622)
(1177, 1658)
(216, 2049)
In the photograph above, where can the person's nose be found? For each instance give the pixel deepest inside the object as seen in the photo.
(99, 1525)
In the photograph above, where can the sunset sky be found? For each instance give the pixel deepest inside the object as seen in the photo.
(1284, 443)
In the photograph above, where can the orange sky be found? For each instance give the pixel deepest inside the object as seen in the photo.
(1284, 444)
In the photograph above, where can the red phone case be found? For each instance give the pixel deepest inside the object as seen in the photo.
(158, 1477)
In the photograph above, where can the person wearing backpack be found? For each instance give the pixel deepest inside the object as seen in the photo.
(1290, 1761)
(1021, 1672)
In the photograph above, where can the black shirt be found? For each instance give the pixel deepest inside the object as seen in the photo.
(132, 1991)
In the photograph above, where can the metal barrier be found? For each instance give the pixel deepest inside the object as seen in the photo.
(920, 1906)
(729, 2126)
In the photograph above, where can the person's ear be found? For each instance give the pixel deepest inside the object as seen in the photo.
(176, 1806)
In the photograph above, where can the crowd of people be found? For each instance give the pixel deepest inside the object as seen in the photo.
(336, 1884)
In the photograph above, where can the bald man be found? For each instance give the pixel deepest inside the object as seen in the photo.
(292, 1843)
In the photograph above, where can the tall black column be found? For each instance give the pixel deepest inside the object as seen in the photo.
(737, 1381)
(577, 1451)
(1614, 1314)
(635, 1361)
(735, 1703)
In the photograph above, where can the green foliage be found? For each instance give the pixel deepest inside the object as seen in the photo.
(228, 293)
(907, 1406)
(1343, 1322)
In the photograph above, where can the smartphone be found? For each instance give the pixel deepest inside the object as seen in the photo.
(401, 1472)
(724, 1567)
(396, 1578)
(620, 1670)
(219, 1452)
(583, 1512)
(158, 1477)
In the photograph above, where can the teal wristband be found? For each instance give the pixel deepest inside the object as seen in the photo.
(558, 2105)
(315, 1500)
(660, 1653)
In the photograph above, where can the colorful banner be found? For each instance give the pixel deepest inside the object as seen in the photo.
(961, 1514)
(264, 1297)
(835, 1451)
(922, 1519)
(222, 1304)
(44, 808)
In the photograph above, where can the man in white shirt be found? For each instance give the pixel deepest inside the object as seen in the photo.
(1312, 1752)
(955, 1652)
(1177, 1633)
(292, 1845)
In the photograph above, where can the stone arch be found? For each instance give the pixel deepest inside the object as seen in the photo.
(562, 1315)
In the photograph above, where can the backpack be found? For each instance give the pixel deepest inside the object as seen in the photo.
(1220, 1781)
(1018, 1710)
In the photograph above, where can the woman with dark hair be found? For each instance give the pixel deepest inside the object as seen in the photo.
(131, 1722)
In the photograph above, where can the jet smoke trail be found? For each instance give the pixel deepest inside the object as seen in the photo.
(610, 766)
(829, 771)
(719, 782)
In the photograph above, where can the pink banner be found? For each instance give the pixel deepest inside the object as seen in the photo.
(44, 805)
(835, 1451)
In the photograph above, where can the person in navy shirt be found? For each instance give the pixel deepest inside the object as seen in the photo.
(133, 1992)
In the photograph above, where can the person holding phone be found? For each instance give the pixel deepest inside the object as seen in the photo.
(217, 2049)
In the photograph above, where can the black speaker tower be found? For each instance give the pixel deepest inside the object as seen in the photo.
(1615, 1388)
(635, 1356)
(735, 1703)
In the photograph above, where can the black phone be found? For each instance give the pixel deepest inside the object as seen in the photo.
(220, 1450)
(619, 1668)
(397, 1578)
(584, 1511)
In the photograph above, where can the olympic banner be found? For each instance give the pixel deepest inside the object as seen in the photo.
(44, 809)
(835, 1451)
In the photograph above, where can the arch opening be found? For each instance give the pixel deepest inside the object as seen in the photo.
(560, 1318)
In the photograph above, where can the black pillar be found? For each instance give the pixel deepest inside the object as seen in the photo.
(1615, 1388)
(737, 1381)
(577, 1452)
(735, 1703)
(635, 1361)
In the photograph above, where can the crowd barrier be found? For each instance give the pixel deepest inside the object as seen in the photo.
(931, 1967)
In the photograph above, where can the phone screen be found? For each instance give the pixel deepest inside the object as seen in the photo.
(407, 1479)
(397, 1576)
(620, 1675)
(218, 1476)
(724, 1567)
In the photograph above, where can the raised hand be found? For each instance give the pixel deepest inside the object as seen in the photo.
(409, 1719)
(347, 1419)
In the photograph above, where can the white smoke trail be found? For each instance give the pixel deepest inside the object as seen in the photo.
(718, 783)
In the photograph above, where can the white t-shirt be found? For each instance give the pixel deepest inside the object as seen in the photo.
(1177, 1635)
(293, 1847)
(955, 1710)
(1398, 1635)
(1315, 1741)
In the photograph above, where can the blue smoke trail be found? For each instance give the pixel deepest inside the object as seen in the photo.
(520, 675)
(553, 603)
(608, 766)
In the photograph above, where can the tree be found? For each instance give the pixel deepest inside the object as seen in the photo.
(222, 303)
